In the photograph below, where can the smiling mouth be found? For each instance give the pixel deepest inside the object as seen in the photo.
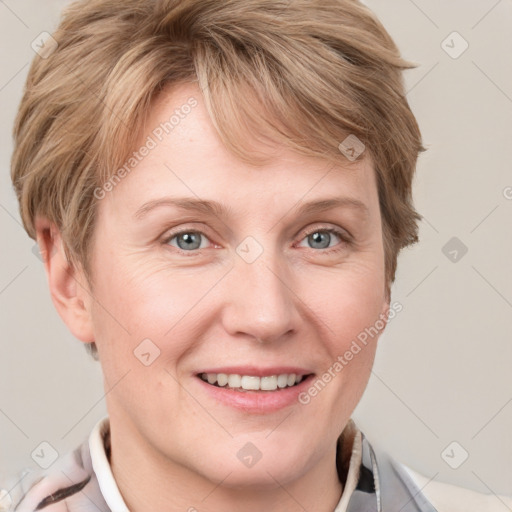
(237, 382)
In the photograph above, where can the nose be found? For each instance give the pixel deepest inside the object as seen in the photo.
(260, 303)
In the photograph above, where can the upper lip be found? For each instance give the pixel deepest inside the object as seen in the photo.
(257, 371)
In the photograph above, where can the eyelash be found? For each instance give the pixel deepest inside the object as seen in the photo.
(344, 237)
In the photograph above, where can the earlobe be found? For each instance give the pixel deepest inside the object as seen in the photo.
(68, 287)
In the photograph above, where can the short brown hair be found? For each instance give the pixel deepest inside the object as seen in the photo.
(319, 70)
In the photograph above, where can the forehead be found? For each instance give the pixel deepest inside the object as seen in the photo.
(180, 154)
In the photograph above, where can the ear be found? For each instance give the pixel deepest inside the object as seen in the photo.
(68, 287)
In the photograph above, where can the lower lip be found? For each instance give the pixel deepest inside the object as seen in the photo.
(261, 402)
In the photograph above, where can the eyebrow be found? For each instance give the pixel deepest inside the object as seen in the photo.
(217, 209)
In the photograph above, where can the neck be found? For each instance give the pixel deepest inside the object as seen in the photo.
(148, 480)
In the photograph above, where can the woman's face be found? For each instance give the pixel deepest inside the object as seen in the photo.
(244, 278)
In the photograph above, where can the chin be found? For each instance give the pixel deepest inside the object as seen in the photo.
(260, 477)
(258, 464)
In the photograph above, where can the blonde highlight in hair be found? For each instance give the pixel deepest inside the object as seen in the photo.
(301, 73)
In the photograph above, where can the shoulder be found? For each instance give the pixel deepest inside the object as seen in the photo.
(55, 489)
(399, 487)
(451, 498)
(13, 487)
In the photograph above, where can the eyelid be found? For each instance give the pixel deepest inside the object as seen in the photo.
(343, 233)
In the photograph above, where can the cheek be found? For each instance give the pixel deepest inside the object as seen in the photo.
(352, 313)
(348, 304)
(153, 303)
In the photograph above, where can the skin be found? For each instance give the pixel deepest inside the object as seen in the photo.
(173, 445)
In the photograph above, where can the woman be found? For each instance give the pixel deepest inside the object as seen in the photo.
(220, 191)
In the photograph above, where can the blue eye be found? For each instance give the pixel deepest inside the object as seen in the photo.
(321, 239)
(187, 240)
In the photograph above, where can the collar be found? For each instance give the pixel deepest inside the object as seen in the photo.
(99, 446)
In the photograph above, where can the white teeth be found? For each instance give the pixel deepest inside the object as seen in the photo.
(222, 379)
(282, 381)
(268, 383)
(234, 381)
(251, 382)
(291, 379)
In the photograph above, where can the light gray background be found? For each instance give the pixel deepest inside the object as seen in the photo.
(443, 369)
